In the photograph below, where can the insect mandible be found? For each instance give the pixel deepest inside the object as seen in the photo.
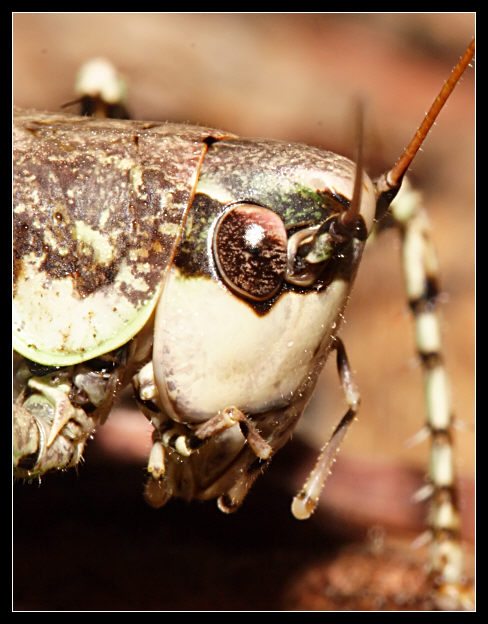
(213, 272)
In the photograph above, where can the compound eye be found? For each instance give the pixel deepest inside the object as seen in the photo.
(250, 250)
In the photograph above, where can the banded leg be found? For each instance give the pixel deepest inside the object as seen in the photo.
(421, 278)
(305, 502)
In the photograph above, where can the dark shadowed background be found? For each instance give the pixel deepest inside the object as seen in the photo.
(86, 540)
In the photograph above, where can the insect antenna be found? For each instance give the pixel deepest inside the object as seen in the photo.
(389, 183)
(348, 219)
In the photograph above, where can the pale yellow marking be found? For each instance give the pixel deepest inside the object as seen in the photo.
(102, 248)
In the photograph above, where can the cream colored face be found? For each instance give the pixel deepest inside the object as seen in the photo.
(213, 349)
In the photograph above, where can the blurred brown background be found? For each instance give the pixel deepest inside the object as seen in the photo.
(293, 77)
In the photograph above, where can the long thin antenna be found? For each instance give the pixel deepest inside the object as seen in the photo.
(349, 217)
(389, 183)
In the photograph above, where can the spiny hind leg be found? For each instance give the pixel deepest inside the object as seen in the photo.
(421, 279)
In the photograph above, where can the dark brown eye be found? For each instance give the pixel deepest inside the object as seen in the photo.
(250, 248)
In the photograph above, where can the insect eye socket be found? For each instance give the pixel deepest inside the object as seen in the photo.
(250, 250)
(310, 249)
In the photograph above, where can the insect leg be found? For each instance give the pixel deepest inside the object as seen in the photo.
(101, 91)
(228, 418)
(57, 409)
(173, 442)
(305, 501)
(421, 279)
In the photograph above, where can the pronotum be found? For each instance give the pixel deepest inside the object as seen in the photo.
(307, 248)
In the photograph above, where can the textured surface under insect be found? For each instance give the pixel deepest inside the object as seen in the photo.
(255, 559)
